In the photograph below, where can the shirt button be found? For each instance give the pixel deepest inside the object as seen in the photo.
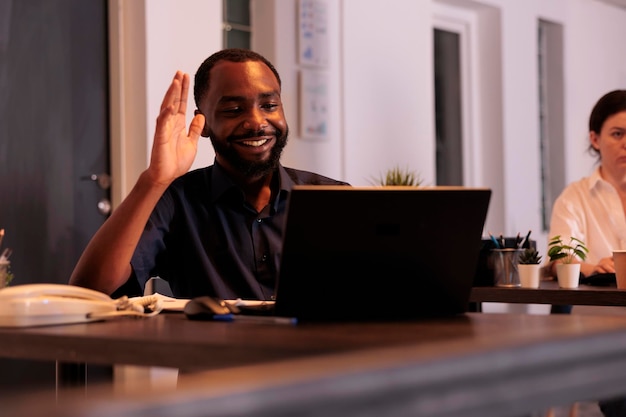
(259, 220)
(263, 258)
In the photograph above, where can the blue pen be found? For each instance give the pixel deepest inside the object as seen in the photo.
(495, 242)
(256, 319)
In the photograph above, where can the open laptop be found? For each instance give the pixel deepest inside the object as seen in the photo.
(379, 253)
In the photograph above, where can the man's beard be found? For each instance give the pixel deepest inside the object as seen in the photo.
(247, 168)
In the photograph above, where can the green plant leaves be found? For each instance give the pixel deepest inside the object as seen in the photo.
(399, 176)
(530, 256)
(567, 252)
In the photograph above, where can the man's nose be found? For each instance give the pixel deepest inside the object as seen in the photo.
(255, 120)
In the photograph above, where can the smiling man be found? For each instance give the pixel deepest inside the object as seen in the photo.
(217, 230)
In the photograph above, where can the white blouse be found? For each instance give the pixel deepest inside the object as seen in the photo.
(590, 210)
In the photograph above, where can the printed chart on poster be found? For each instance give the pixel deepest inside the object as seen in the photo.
(313, 60)
(313, 33)
(313, 104)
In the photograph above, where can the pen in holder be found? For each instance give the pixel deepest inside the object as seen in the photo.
(485, 272)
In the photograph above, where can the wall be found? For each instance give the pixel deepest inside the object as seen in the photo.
(596, 67)
(181, 35)
(383, 57)
(381, 88)
(149, 42)
(592, 31)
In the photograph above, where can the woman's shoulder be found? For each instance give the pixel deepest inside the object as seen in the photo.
(585, 183)
(582, 189)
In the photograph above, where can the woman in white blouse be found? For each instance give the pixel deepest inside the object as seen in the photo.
(593, 208)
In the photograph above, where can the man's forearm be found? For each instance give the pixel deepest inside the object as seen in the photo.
(105, 262)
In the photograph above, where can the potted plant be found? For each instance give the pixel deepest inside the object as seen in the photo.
(399, 177)
(5, 273)
(568, 269)
(529, 268)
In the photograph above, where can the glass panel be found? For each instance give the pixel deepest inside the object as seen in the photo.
(237, 38)
(237, 11)
(449, 146)
(551, 115)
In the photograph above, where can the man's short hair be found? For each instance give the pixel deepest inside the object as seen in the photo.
(202, 80)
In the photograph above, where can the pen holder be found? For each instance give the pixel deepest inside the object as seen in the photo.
(484, 276)
(504, 263)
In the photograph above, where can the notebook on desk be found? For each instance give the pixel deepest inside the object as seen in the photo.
(379, 253)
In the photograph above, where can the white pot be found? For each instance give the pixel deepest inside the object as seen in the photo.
(568, 275)
(529, 275)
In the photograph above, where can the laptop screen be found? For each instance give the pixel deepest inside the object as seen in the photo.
(372, 253)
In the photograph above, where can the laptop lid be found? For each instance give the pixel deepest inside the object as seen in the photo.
(373, 253)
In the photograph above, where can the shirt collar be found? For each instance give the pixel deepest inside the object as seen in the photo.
(221, 183)
(285, 185)
(595, 179)
(286, 182)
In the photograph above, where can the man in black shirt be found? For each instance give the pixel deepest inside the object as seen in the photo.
(217, 230)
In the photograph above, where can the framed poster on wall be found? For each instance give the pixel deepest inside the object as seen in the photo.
(313, 33)
(313, 104)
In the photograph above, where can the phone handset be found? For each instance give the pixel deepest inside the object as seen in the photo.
(47, 304)
(60, 290)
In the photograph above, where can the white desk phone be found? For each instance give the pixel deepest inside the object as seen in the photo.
(49, 304)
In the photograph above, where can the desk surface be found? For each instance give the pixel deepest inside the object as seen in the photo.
(471, 365)
(170, 340)
(550, 293)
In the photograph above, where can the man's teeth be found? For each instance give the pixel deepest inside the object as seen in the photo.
(259, 142)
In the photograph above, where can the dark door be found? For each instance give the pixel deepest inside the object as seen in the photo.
(53, 137)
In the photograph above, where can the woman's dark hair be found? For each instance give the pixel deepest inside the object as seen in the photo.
(201, 80)
(608, 105)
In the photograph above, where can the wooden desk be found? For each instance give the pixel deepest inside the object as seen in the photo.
(473, 365)
(170, 340)
(550, 293)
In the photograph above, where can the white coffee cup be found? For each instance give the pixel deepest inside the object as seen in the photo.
(619, 258)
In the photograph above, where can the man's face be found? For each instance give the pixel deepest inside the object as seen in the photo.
(244, 117)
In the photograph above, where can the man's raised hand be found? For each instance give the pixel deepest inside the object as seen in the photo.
(174, 148)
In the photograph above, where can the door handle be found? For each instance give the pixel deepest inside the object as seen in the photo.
(103, 180)
(104, 206)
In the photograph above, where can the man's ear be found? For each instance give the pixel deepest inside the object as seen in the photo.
(205, 128)
(594, 138)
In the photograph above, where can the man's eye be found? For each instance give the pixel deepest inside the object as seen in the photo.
(618, 134)
(270, 106)
(232, 110)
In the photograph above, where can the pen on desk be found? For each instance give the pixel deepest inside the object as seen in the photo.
(525, 240)
(502, 240)
(256, 319)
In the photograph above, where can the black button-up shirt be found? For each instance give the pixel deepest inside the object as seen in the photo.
(205, 239)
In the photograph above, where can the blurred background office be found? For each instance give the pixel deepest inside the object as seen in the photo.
(489, 93)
